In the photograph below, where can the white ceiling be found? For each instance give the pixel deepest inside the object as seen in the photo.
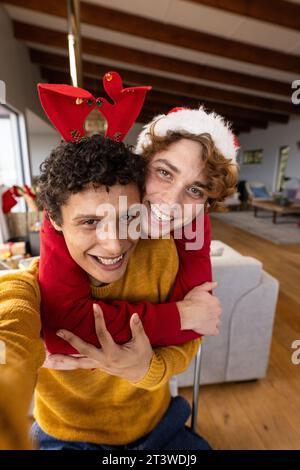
(185, 14)
(210, 20)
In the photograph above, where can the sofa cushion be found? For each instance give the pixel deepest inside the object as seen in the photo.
(248, 298)
(260, 192)
(244, 274)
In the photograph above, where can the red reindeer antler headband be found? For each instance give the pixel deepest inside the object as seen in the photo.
(67, 107)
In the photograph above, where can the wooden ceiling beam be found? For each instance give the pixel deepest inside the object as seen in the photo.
(281, 13)
(156, 108)
(139, 26)
(221, 108)
(248, 122)
(146, 28)
(238, 130)
(49, 37)
(167, 84)
(146, 116)
(159, 107)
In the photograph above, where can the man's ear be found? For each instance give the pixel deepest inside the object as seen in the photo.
(57, 227)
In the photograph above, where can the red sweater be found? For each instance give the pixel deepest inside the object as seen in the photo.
(67, 302)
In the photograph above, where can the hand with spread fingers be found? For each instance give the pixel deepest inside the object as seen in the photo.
(130, 361)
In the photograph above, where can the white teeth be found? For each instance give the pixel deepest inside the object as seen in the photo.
(110, 260)
(158, 214)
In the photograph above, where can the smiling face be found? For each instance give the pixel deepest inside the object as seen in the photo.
(176, 177)
(104, 260)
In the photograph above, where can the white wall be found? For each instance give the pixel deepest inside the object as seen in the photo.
(8, 165)
(21, 78)
(40, 148)
(42, 139)
(270, 140)
(132, 135)
(16, 70)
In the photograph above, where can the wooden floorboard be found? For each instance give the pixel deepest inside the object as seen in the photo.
(264, 414)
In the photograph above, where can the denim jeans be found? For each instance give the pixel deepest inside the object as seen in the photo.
(170, 434)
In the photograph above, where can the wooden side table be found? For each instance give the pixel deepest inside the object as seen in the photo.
(276, 209)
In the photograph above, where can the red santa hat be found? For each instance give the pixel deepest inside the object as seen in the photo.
(193, 121)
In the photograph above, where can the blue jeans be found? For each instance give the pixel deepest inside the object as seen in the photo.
(170, 434)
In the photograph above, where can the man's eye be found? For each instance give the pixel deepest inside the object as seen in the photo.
(164, 173)
(196, 192)
(127, 218)
(90, 222)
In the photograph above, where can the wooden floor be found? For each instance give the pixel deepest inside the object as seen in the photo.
(264, 414)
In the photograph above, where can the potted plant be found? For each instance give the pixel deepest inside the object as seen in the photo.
(281, 199)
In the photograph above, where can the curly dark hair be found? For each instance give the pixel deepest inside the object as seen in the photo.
(73, 166)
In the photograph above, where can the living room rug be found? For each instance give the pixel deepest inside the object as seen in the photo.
(285, 231)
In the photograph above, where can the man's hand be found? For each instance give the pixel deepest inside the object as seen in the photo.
(200, 311)
(130, 361)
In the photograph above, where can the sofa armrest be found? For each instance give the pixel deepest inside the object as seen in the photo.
(241, 351)
(251, 330)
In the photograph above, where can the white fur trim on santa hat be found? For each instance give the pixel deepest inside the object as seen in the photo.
(194, 121)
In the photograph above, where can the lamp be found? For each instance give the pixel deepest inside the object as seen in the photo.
(74, 44)
(95, 123)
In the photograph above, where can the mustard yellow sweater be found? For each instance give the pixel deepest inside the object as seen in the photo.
(85, 405)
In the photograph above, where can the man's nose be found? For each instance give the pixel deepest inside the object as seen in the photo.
(172, 196)
(113, 247)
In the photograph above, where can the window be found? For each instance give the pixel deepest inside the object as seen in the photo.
(11, 162)
(281, 167)
(252, 157)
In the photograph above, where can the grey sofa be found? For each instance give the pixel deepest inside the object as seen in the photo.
(248, 296)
